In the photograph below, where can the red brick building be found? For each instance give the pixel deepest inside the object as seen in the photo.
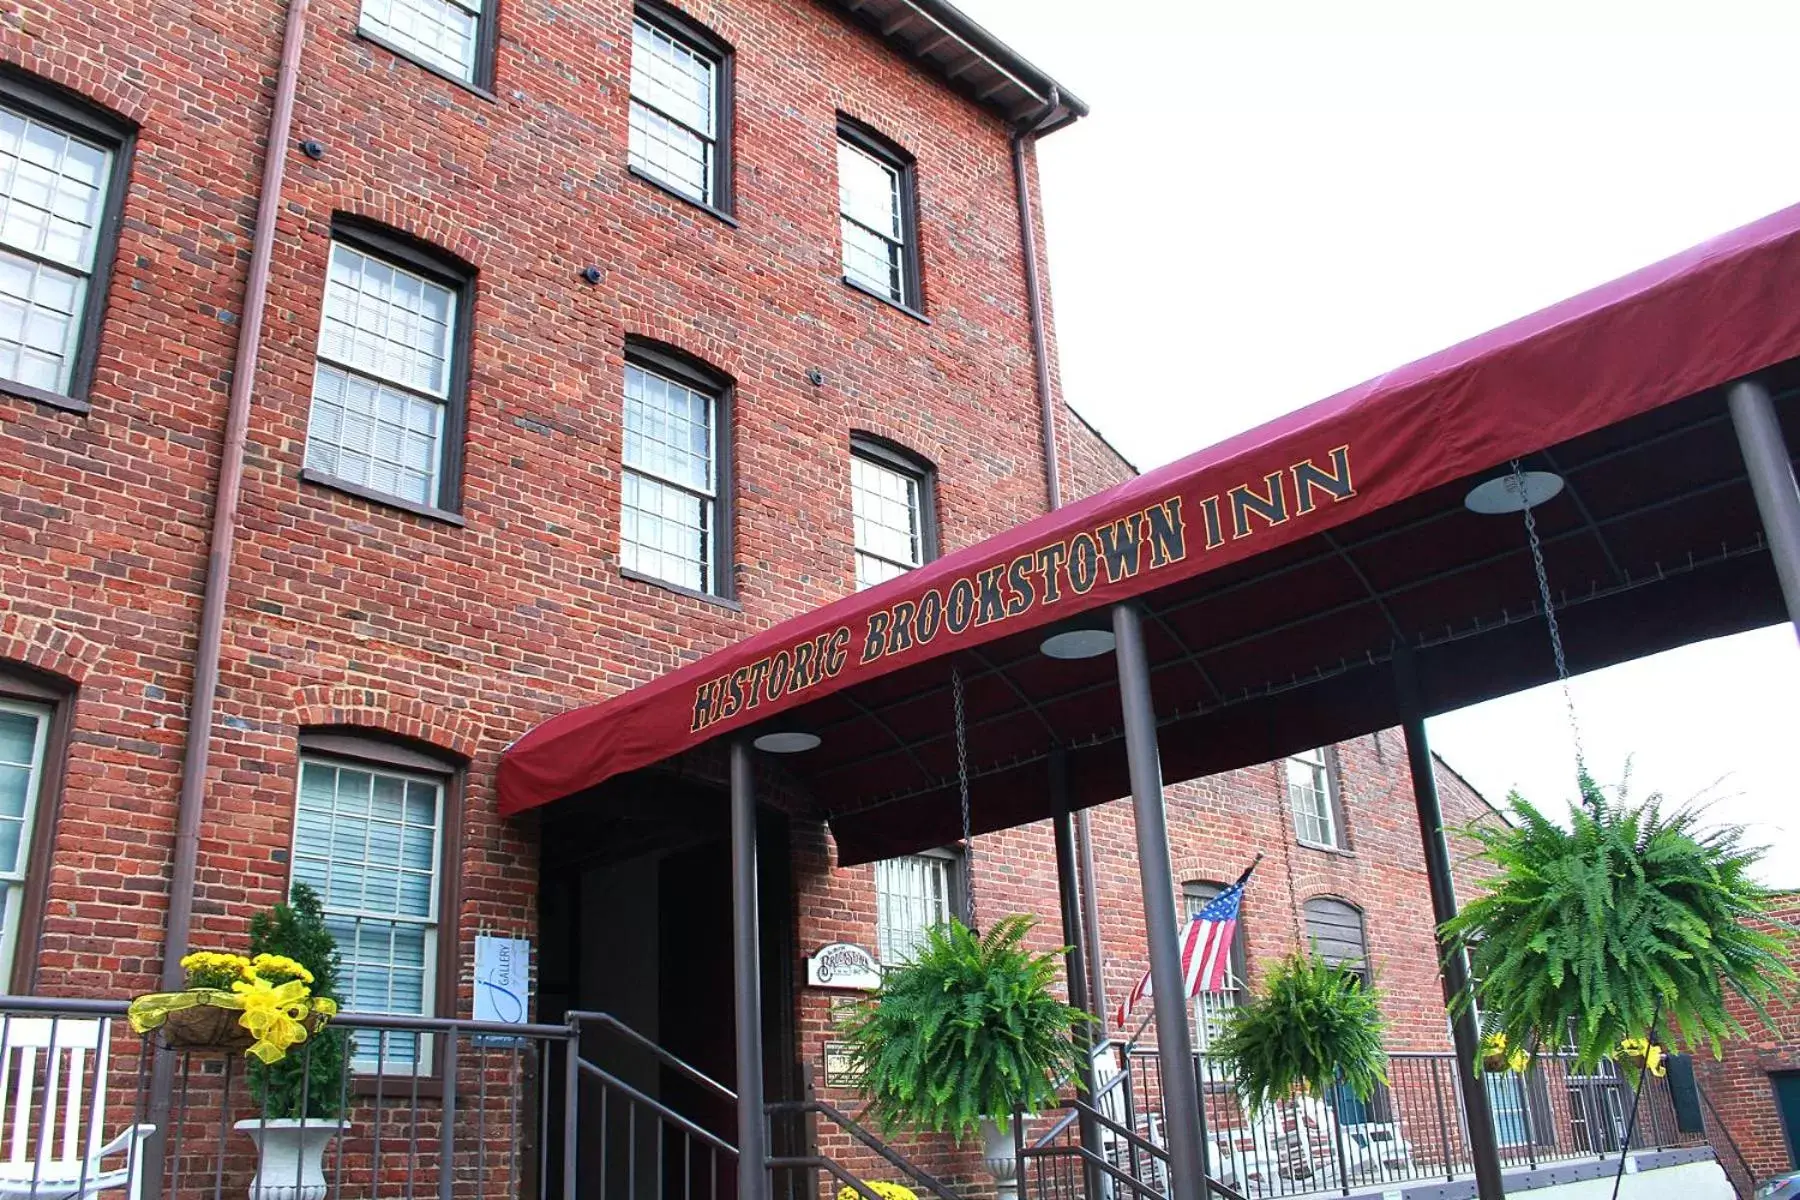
(1753, 1115)
(595, 338)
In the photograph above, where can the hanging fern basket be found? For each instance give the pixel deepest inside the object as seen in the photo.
(1628, 919)
(1313, 1026)
(968, 1029)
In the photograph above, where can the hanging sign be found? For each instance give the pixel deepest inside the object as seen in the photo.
(843, 965)
(502, 979)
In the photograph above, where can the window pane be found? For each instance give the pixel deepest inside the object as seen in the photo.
(23, 732)
(873, 261)
(368, 839)
(364, 432)
(671, 153)
(1309, 793)
(668, 430)
(40, 310)
(387, 322)
(869, 191)
(665, 532)
(673, 77)
(885, 510)
(442, 33)
(911, 895)
(52, 191)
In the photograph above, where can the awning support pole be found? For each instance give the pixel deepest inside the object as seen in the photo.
(1465, 1026)
(1074, 937)
(1180, 1088)
(752, 1151)
(1772, 482)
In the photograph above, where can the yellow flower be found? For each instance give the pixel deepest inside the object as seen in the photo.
(887, 1191)
(1642, 1050)
(215, 960)
(264, 965)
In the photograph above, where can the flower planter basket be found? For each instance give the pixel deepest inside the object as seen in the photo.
(206, 1027)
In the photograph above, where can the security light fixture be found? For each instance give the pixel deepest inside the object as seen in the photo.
(1513, 493)
(786, 741)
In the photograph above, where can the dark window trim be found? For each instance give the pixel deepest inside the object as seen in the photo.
(897, 457)
(643, 176)
(445, 268)
(377, 496)
(381, 749)
(27, 684)
(1334, 791)
(664, 359)
(849, 129)
(79, 115)
(483, 54)
(1240, 937)
(487, 38)
(679, 25)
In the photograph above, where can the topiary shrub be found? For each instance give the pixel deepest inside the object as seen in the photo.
(968, 1029)
(1313, 1025)
(296, 931)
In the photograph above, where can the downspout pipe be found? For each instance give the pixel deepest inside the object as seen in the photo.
(1040, 353)
(201, 708)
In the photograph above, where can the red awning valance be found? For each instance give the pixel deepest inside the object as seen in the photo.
(1668, 332)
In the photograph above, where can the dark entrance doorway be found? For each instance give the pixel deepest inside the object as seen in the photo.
(635, 916)
(1787, 1103)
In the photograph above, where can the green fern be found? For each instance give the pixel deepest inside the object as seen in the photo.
(1314, 1025)
(968, 1029)
(1587, 934)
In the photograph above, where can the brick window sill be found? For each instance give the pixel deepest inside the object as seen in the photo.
(25, 391)
(474, 89)
(690, 593)
(872, 294)
(717, 214)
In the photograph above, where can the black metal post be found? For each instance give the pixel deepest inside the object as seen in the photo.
(752, 1148)
(1074, 938)
(1772, 480)
(1180, 1096)
(1465, 1025)
(1090, 913)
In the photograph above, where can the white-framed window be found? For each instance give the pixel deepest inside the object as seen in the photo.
(670, 487)
(54, 189)
(912, 893)
(368, 839)
(442, 34)
(678, 82)
(875, 190)
(381, 392)
(1211, 1009)
(24, 733)
(1309, 793)
(888, 511)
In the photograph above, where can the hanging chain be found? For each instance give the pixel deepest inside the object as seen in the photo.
(1556, 642)
(962, 778)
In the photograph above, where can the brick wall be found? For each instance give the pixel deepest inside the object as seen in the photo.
(344, 611)
(1743, 1119)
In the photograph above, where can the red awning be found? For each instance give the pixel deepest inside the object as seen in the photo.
(1287, 555)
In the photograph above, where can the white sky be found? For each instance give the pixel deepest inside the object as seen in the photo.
(1276, 199)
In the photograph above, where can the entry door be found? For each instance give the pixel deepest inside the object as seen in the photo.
(1787, 1102)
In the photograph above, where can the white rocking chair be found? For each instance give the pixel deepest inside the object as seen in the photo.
(47, 1156)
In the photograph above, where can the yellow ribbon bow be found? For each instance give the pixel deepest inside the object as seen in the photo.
(1643, 1050)
(273, 1015)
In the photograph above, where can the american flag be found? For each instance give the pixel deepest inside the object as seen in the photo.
(1205, 948)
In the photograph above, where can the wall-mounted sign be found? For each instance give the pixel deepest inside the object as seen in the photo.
(843, 965)
(840, 1068)
(502, 979)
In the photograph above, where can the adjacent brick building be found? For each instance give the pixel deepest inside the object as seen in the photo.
(596, 338)
(1753, 1090)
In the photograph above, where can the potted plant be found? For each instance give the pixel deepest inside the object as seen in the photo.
(1626, 919)
(964, 1035)
(1312, 1026)
(299, 1093)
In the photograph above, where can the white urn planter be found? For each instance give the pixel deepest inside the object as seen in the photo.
(1000, 1156)
(290, 1156)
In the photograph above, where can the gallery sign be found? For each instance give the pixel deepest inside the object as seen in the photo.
(845, 966)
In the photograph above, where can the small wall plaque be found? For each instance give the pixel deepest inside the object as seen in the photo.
(840, 1069)
(845, 966)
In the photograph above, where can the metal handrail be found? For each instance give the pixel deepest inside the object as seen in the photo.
(1074, 1114)
(579, 1018)
(856, 1130)
(657, 1106)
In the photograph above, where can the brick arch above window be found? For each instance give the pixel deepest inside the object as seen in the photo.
(672, 336)
(372, 712)
(46, 647)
